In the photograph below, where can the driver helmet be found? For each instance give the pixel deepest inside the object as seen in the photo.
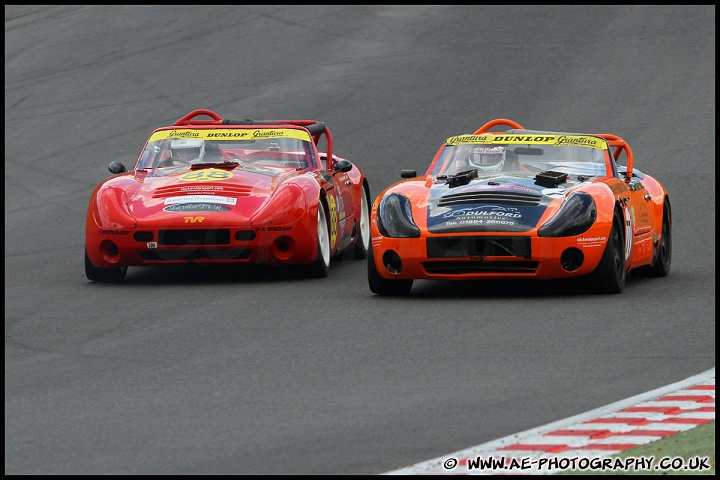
(487, 159)
(188, 150)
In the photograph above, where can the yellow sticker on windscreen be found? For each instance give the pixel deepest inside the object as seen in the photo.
(231, 134)
(531, 139)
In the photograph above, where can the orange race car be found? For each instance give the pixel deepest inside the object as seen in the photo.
(522, 204)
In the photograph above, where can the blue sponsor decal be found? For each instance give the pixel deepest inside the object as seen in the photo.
(476, 218)
(196, 207)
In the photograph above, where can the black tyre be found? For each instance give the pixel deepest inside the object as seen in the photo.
(661, 264)
(383, 286)
(610, 274)
(103, 275)
(363, 242)
(321, 267)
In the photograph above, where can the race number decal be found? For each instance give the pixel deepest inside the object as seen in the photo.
(206, 175)
(333, 220)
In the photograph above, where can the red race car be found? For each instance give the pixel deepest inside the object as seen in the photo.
(522, 204)
(209, 190)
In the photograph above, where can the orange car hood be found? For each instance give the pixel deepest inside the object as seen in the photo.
(501, 204)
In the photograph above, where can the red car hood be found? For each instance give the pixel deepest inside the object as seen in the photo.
(221, 196)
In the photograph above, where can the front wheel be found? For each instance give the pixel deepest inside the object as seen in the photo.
(610, 274)
(103, 275)
(321, 267)
(363, 242)
(383, 286)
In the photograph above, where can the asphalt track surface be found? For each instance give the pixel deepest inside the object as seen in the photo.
(211, 371)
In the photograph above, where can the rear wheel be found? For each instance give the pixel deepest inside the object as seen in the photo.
(383, 286)
(363, 242)
(610, 274)
(321, 267)
(103, 275)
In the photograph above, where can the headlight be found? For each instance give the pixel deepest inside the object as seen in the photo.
(394, 217)
(576, 216)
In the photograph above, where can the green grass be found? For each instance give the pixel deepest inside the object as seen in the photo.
(698, 442)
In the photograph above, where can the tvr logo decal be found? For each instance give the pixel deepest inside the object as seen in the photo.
(194, 219)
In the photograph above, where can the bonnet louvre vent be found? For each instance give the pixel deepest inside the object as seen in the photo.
(503, 197)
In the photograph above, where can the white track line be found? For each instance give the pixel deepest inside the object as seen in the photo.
(596, 434)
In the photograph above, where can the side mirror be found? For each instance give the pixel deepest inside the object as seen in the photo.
(116, 167)
(342, 166)
(408, 173)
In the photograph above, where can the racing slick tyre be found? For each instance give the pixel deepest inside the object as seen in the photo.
(363, 242)
(321, 267)
(661, 263)
(383, 286)
(103, 275)
(610, 274)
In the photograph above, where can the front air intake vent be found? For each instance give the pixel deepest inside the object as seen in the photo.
(194, 237)
(469, 267)
(480, 246)
(504, 197)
